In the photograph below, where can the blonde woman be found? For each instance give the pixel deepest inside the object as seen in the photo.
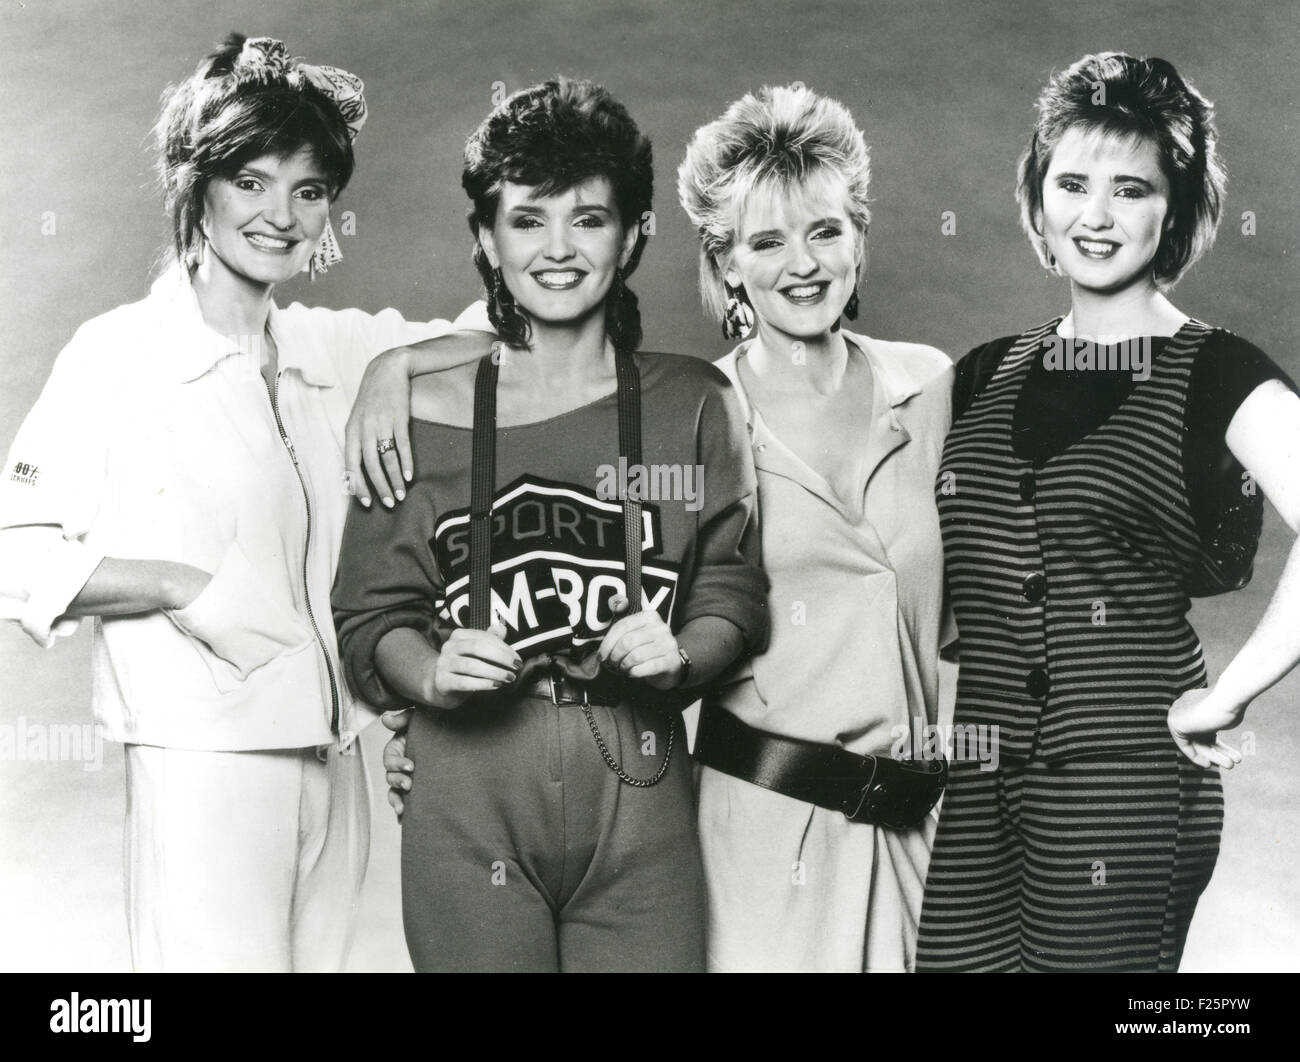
(815, 838)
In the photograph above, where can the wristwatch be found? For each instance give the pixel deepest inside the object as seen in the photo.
(686, 667)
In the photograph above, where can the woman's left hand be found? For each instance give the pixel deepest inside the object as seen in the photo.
(381, 414)
(1195, 721)
(641, 646)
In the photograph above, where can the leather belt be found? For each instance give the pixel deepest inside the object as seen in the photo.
(874, 789)
(559, 688)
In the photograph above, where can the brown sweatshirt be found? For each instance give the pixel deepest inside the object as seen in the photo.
(557, 543)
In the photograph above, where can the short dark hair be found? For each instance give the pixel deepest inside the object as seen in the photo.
(220, 117)
(1117, 94)
(554, 136)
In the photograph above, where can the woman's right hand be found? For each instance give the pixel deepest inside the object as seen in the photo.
(472, 661)
(397, 768)
(380, 414)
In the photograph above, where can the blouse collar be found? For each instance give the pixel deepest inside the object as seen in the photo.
(201, 347)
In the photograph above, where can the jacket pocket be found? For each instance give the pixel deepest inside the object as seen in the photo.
(239, 623)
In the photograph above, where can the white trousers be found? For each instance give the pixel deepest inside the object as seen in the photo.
(244, 861)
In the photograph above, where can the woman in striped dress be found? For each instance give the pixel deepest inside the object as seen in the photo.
(1103, 468)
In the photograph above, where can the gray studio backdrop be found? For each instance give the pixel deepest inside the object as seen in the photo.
(944, 93)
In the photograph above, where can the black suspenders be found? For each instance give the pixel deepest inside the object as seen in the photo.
(483, 483)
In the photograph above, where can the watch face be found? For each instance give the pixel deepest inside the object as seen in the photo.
(686, 666)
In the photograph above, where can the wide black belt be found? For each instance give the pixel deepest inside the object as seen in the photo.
(898, 794)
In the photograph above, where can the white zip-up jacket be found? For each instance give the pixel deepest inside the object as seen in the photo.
(156, 437)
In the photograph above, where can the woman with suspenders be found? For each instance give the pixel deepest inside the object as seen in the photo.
(577, 553)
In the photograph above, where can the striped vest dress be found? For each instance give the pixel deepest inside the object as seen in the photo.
(1070, 581)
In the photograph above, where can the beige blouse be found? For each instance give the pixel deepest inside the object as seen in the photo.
(856, 602)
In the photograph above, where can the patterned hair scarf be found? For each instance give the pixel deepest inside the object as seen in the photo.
(264, 60)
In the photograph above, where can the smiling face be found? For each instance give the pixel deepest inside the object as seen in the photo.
(264, 222)
(796, 253)
(558, 253)
(1105, 206)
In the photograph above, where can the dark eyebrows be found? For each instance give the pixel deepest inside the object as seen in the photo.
(579, 208)
(262, 175)
(1119, 178)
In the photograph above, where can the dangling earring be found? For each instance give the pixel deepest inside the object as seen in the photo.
(498, 297)
(739, 318)
(851, 307)
(327, 253)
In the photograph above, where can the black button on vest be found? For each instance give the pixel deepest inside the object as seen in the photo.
(1109, 528)
(1036, 684)
(1034, 587)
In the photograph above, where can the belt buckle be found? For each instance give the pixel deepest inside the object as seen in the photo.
(855, 814)
(559, 680)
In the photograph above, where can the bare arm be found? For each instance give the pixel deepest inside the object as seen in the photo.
(126, 587)
(382, 410)
(1264, 436)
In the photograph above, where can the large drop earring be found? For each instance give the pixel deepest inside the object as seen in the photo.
(327, 253)
(739, 317)
(851, 307)
(500, 302)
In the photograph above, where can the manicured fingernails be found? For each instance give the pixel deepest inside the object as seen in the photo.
(401, 494)
(365, 502)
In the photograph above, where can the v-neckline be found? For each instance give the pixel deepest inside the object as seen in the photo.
(799, 471)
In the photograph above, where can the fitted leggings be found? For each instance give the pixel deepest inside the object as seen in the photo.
(1082, 865)
(523, 851)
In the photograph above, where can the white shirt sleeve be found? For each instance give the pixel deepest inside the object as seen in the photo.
(474, 316)
(52, 486)
(355, 338)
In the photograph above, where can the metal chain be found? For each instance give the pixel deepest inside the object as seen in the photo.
(612, 764)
